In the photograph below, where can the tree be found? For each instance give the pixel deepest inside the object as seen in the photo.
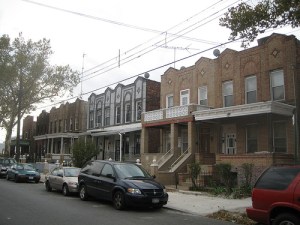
(27, 78)
(246, 22)
(83, 151)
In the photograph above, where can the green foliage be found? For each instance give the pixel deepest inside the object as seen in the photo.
(83, 151)
(195, 169)
(225, 176)
(248, 173)
(246, 21)
(27, 78)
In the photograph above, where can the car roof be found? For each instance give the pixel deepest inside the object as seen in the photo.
(112, 162)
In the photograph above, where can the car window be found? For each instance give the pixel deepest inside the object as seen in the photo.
(60, 172)
(54, 172)
(107, 169)
(130, 171)
(277, 178)
(28, 167)
(71, 172)
(20, 167)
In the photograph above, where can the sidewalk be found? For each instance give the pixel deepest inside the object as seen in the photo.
(202, 203)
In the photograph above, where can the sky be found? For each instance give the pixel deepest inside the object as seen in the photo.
(109, 42)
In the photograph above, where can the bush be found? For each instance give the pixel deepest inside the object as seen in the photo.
(195, 169)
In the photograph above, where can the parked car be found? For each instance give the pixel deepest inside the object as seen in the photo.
(276, 197)
(5, 163)
(125, 184)
(23, 172)
(64, 179)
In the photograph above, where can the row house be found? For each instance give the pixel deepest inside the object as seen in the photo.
(241, 107)
(114, 118)
(57, 130)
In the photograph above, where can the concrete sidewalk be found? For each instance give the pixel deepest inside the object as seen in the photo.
(202, 203)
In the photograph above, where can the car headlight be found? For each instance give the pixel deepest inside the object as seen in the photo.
(165, 191)
(134, 191)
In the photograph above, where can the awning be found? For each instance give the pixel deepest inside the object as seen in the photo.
(116, 131)
(245, 110)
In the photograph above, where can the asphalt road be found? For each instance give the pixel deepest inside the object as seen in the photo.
(30, 204)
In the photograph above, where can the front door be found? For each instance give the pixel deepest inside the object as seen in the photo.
(230, 148)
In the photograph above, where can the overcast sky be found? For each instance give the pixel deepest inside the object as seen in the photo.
(117, 39)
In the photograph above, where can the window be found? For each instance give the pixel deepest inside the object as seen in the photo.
(139, 110)
(76, 124)
(127, 112)
(277, 85)
(228, 93)
(107, 116)
(107, 171)
(251, 89)
(65, 126)
(99, 114)
(91, 117)
(60, 126)
(279, 132)
(251, 133)
(185, 97)
(202, 93)
(170, 101)
(118, 114)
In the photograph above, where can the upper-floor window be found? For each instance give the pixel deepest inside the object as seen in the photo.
(107, 116)
(71, 122)
(251, 136)
(139, 110)
(60, 126)
(118, 114)
(99, 114)
(76, 124)
(202, 93)
(65, 125)
(251, 89)
(277, 85)
(169, 101)
(228, 93)
(185, 97)
(127, 112)
(279, 136)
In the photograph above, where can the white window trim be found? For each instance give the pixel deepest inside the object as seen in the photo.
(271, 87)
(199, 96)
(223, 89)
(188, 96)
(167, 100)
(246, 91)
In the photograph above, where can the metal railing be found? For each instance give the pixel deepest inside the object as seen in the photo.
(179, 158)
(162, 159)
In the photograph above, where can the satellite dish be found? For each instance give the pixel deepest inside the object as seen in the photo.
(216, 52)
(146, 75)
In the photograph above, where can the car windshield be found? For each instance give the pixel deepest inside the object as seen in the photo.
(71, 172)
(24, 167)
(130, 171)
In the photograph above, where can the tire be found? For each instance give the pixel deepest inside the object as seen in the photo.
(286, 219)
(7, 177)
(118, 200)
(48, 187)
(82, 193)
(65, 190)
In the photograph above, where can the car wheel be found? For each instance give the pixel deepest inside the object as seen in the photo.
(286, 219)
(48, 187)
(65, 190)
(16, 178)
(118, 200)
(82, 192)
(7, 177)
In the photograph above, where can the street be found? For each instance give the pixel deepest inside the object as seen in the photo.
(30, 204)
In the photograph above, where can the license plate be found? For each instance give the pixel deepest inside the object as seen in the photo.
(30, 178)
(155, 200)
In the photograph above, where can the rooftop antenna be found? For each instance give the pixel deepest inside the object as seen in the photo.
(82, 75)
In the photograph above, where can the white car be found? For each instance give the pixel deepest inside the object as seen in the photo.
(63, 179)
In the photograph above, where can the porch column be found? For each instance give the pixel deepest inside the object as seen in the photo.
(174, 139)
(61, 149)
(144, 140)
(192, 137)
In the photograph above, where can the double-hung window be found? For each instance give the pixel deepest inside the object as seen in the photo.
(277, 85)
(118, 114)
(251, 89)
(185, 97)
(202, 93)
(139, 110)
(228, 93)
(170, 101)
(127, 112)
(251, 133)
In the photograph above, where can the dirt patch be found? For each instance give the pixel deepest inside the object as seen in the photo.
(234, 217)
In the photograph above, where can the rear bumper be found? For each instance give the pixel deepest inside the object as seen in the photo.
(260, 216)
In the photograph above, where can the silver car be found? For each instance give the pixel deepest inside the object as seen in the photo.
(63, 179)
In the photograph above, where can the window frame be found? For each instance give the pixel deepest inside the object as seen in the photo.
(183, 96)
(168, 105)
(251, 139)
(272, 75)
(138, 110)
(250, 91)
(276, 147)
(200, 95)
(118, 114)
(227, 95)
(127, 112)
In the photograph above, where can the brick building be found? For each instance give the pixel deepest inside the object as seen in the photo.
(65, 124)
(114, 118)
(241, 107)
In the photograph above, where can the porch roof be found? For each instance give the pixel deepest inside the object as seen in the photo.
(116, 130)
(56, 135)
(245, 110)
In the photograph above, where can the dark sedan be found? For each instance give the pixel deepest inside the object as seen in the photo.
(125, 184)
(5, 163)
(23, 172)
